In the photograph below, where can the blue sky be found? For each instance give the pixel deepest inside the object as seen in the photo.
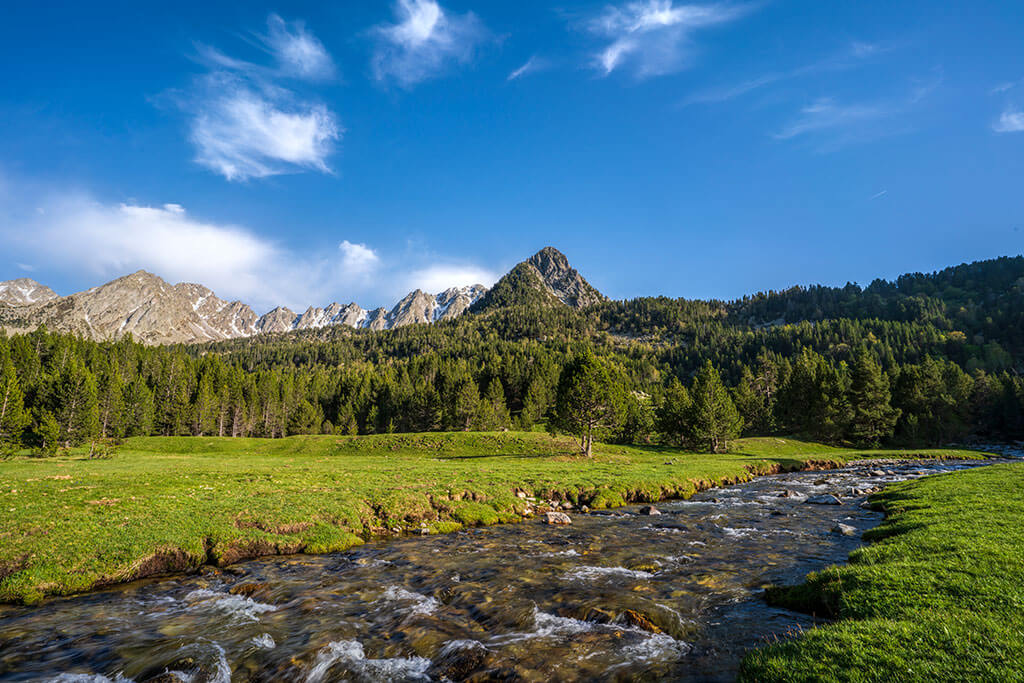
(301, 153)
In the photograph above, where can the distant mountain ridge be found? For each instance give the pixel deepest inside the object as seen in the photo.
(156, 312)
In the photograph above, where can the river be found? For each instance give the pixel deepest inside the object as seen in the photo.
(615, 596)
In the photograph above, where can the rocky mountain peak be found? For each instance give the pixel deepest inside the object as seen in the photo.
(25, 292)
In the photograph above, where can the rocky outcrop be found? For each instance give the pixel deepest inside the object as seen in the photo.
(25, 292)
(156, 312)
(544, 279)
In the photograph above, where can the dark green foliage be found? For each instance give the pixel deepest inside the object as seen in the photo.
(713, 418)
(588, 404)
(872, 416)
(950, 346)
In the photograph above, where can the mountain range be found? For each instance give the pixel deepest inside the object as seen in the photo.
(154, 311)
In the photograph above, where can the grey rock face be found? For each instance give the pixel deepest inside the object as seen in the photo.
(562, 280)
(25, 292)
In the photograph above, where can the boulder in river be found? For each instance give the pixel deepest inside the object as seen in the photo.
(827, 499)
(844, 530)
(559, 518)
(649, 510)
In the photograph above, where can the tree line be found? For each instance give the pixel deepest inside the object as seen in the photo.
(927, 359)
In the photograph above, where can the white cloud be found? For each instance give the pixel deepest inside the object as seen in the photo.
(853, 122)
(531, 65)
(424, 42)
(1011, 121)
(857, 54)
(245, 124)
(241, 132)
(297, 51)
(358, 258)
(95, 241)
(654, 36)
(99, 241)
(826, 113)
(439, 277)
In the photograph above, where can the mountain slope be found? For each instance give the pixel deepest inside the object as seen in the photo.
(545, 279)
(156, 312)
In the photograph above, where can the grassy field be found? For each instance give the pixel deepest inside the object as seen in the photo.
(160, 505)
(938, 596)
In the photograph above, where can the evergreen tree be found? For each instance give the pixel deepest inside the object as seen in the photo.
(465, 407)
(587, 402)
(111, 402)
(12, 408)
(714, 420)
(74, 404)
(138, 409)
(873, 419)
(673, 414)
(47, 432)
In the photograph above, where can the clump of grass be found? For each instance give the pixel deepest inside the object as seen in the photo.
(171, 504)
(938, 596)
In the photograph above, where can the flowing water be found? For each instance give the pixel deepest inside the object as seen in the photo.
(616, 596)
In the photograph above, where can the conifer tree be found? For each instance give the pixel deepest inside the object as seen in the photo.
(75, 404)
(12, 408)
(714, 420)
(673, 414)
(587, 402)
(873, 417)
(111, 402)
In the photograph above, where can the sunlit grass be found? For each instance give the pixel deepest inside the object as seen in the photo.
(69, 523)
(938, 596)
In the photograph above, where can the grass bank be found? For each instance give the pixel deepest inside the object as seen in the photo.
(937, 596)
(161, 505)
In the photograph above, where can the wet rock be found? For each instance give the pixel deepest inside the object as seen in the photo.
(165, 677)
(821, 482)
(597, 615)
(250, 589)
(789, 493)
(649, 510)
(634, 618)
(877, 473)
(671, 525)
(557, 518)
(584, 509)
(844, 530)
(827, 499)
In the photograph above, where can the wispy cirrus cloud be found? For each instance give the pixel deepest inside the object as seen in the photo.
(248, 121)
(855, 55)
(531, 65)
(424, 43)
(297, 51)
(1010, 121)
(843, 123)
(654, 37)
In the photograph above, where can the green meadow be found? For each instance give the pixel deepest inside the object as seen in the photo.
(938, 595)
(171, 504)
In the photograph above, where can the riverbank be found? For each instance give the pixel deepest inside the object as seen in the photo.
(938, 595)
(165, 505)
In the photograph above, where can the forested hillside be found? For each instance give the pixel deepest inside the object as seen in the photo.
(945, 351)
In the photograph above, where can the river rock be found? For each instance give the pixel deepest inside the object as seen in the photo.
(827, 499)
(649, 510)
(844, 530)
(877, 473)
(558, 518)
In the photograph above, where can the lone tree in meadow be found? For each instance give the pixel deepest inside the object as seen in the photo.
(713, 418)
(587, 401)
